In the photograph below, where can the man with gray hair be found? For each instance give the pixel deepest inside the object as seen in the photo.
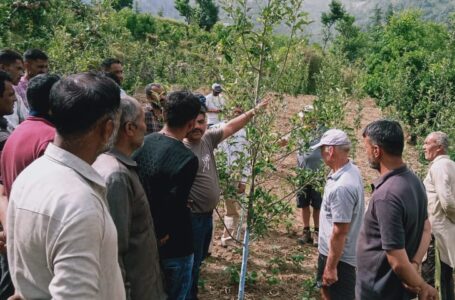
(440, 187)
(340, 218)
(129, 208)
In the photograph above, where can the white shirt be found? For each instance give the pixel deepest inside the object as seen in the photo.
(440, 187)
(62, 242)
(20, 113)
(235, 148)
(214, 102)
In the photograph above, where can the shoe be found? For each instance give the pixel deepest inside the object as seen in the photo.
(306, 237)
(315, 237)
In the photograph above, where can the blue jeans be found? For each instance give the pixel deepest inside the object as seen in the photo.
(177, 276)
(202, 236)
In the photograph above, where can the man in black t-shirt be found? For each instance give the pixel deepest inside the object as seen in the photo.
(396, 232)
(167, 170)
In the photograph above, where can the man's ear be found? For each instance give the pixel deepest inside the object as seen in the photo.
(377, 151)
(129, 128)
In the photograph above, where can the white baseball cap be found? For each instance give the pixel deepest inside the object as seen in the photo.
(217, 87)
(333, 137)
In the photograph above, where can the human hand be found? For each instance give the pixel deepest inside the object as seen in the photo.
(164, 240)
(427, 292)
(263, 104)
(16, 297)
(329, 277)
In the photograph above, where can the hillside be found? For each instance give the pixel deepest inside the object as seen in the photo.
(437, 10)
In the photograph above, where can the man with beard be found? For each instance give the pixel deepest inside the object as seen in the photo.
(62, 242)
(205, 192)
(340, 218)
(396, 232)
(129, 208)
(113, 68)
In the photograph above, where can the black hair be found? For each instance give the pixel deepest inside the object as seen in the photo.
(3, 78)
(112, 76)
(35, 54)
(108, 62)
(8, 57)
(180, 108)
(386, 134)
(38, 90)
(79, 101)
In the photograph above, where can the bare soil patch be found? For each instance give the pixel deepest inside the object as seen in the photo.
(279, 267)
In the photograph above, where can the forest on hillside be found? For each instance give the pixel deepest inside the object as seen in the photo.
(363, 11)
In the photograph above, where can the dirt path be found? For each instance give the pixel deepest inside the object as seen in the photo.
(280, 268)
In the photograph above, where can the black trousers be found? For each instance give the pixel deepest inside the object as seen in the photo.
(344, 288)
(429, 270)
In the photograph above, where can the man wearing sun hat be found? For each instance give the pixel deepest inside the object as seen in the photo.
(215, 104)
(340, 218)
(156, 97)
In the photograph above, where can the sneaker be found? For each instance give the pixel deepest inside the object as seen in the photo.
(306, 237)
(315, 237)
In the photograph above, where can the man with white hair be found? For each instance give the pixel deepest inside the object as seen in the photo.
(340, 218)
(440, 187)
(129, 207)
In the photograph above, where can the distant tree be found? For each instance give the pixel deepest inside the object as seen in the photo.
(207, 14)
(204, 14)
(119, 4)
(328, 19)
(389, 13)
(351, 40)
(376, 18)
(185, 10)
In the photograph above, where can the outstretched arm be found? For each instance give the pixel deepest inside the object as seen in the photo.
(239, 122)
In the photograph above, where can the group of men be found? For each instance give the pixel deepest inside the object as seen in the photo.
(378, 253)
(112, 199)
(108, 199)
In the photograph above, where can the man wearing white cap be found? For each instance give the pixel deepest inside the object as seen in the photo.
(340, 218)
(215, 104)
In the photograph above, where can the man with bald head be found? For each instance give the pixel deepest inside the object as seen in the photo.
(440, 187)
